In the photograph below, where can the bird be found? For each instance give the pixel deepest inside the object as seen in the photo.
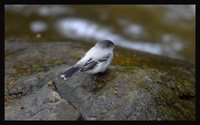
(95, 60)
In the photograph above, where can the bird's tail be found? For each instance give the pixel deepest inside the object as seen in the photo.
(70, 72)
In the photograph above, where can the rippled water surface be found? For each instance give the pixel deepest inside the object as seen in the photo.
(162, 29)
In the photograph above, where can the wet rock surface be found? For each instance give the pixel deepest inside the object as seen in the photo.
(121, 93)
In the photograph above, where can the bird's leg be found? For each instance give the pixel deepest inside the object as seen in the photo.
(101, 76)
(105, 73)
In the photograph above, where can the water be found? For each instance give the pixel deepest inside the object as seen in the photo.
(161, 29)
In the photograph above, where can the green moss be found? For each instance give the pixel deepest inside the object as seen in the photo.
(37, 68)
(168, 99)
(56, 63)
(76, 57)
(129, 69)
(125, 69)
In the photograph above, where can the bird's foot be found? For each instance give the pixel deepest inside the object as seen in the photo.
(101, 76)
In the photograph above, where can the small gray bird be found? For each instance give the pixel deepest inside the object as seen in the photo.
(94, 61)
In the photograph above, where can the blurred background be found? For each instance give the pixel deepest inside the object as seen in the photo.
(167, 30)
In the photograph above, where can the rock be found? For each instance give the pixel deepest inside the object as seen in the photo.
(42, 103)
(134, 92)
(128, 94)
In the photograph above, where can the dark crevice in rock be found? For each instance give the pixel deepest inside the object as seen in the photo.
(52, 85)
(187, 97)
(55, 86)
(80, 118)
(16, 94)
(33, 114)
(71, 104)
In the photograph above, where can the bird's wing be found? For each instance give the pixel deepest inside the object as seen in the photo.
(91, 63)
(104, 58)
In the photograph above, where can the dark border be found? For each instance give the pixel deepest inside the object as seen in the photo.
(2, 61)
(103, 2)
(197, 62)
(99, 2)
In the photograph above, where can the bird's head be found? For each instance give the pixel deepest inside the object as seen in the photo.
(106, 44)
